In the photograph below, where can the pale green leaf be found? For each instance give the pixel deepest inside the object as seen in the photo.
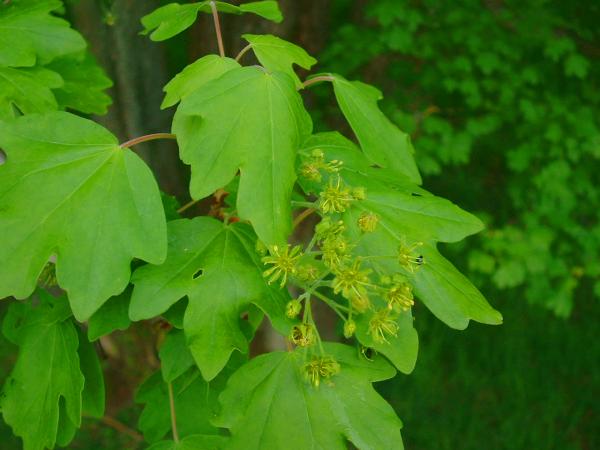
(250, 121)
(383, 143)
(45, 376)
(217, 267)
(29, 89)
(29, 33)
(278, 55)
(194, 76)
(84, 84)
(68, 189)
(269, 404)
(170, 20)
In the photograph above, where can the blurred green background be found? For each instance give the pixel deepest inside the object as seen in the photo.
(502, 99)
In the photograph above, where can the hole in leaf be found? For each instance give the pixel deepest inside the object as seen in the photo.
(414, 194)
(2, 157)
(197, 274)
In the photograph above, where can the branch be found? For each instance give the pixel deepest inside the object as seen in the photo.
(243, 52)
(146, 138)
(316, 80)
(303, 215)
(173, 415)
(120, 427)
(215, 14)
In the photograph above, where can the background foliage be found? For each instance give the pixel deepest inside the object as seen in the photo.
(502, 98)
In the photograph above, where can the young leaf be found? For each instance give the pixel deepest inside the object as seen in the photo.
(29, 33)
(217, 267)
(67, 188)
(170, 20)
(29, 89)
(194, 402)
(46, 384)
(84, 84)
(250, 121)
(196, 75)
(277, 55)
(268, 403)
(383, 143)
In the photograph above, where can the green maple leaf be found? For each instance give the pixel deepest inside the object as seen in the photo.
(42, 398)
(194, 442)
(268, 403)
(68, 189)
(254, 122)
(84, 84)
(194, 402)
(29, 33)
(196, 75)
(217, 267)
(29, 89)
(170, 20)
(408, 214)
(382, 142)
(278, 55)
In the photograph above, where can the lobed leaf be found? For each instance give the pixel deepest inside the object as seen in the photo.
(29, 33)
(250, 121)
(29, 89)
(42, 398)
(278, 55)
(84, 84)
(383, 143)
(68, 189)
(217, 268)
(196, 75)
(268, 403)
(170, 20)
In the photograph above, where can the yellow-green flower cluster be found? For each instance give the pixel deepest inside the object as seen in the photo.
(320, 367)
(311, 169)
(283, 263)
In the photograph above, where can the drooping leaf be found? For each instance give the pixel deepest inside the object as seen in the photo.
(112, 316)
(194, 442)
(46, 383)
(250, 121)
(29, 89)
(84, 84)
(94, 393)
(268, 403)
(175, 356)
(194, 402)
(68, 189)
(278, 55)
(170, 20)
(195, 76)
(29, 33)
(383, 143)
(217, 267)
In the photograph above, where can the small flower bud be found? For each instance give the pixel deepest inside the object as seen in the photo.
(303, 335)
(293, 308)
(349, 329)
(367, 222)
(359, 193)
